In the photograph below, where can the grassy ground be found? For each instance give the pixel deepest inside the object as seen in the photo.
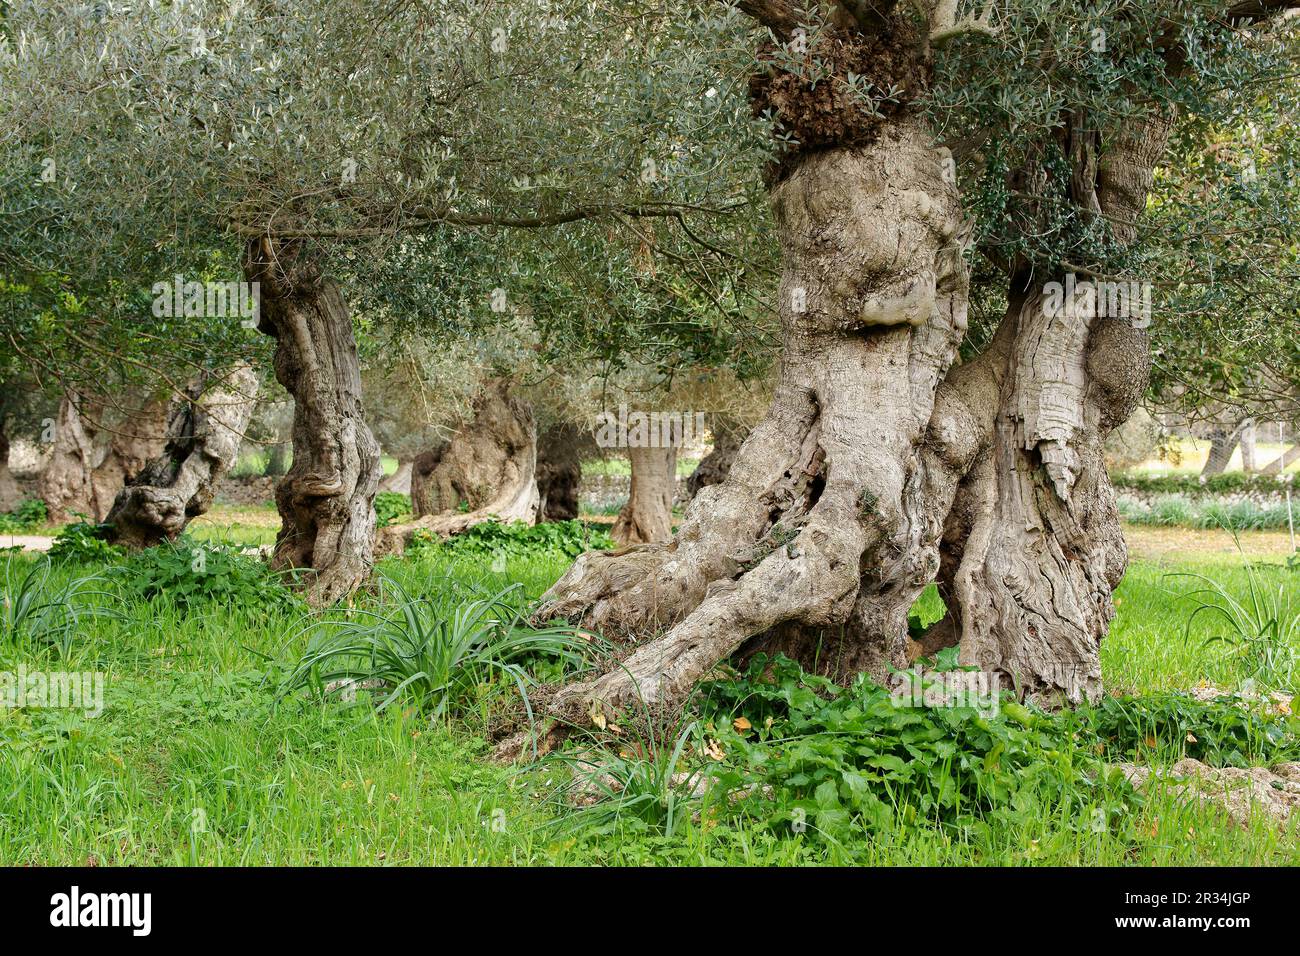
(196, 761)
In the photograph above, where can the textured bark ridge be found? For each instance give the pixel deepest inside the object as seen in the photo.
(560, 450)
(96, 450)
(821, 503)
(648, 514)
(326, 501)
(204, 434)
(488, 469)
(1034, 543)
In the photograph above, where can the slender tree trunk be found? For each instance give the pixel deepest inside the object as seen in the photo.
(1283, 461)
(648, 514)
(423, 488)
(204, 436)
(486, 472)
(277, 459)
(1248, 447)
(326, 500)
(559, 470)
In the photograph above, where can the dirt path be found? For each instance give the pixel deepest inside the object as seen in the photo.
(28, 542)
(1147, 543)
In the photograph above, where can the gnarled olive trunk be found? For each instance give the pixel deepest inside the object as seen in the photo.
(1033, 545)
(648, 514)
(97, 449)
(327, 499)
(826, 497)
(204, 434)
(10, 494)
(560, 450)
(881, 465)
(486, 472)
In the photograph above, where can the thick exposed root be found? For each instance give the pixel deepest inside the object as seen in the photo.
(642, 589)
(814, 578)
(394, 539)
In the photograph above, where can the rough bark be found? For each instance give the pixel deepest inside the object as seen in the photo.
(1035, 545)
(204, 435)
(713, 467)
(96, 450)
(486, 472)
(326, 500)
(560, 450)
(821, 499)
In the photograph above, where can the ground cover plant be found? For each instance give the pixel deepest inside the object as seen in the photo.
(217, 745)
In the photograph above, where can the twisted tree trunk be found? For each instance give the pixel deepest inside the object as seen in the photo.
(10, 494)
(486, 472)
(826, 497)
(326, 500)
(96, 450)
(881, 466)
(204, 436)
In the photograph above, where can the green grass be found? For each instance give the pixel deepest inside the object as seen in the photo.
(615, 465)
(196, 760)
(1183, 511)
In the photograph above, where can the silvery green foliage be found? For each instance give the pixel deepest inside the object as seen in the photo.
(347, 120)
(146, 136)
